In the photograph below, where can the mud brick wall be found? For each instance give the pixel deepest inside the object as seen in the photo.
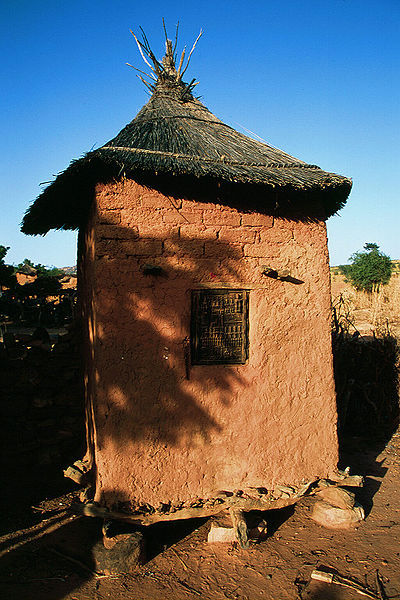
(165, 432)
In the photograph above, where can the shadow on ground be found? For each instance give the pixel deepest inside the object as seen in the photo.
(367, 391)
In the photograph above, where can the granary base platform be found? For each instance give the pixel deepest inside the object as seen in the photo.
(237, 503)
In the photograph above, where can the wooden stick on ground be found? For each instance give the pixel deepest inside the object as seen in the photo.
(328, 577)
(379, 586)
(33, 534)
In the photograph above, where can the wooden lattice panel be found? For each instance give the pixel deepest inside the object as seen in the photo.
(219, 327)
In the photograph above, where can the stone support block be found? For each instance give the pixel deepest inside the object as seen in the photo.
(122, 553)
(225, 535)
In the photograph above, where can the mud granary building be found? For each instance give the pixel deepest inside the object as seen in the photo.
(205, 296)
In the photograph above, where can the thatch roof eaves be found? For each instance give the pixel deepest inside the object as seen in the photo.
(64, 204)
(181, 140)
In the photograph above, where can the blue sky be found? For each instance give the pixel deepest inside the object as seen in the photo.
(316, 78)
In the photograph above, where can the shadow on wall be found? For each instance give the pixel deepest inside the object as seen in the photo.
(147, 388)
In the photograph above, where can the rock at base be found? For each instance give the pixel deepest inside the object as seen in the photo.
(334, 517)
(122, 553)
(225, 535)
(222, 529)
(338, 497)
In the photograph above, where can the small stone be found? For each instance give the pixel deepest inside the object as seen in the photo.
(122, 553)
(75, 474)
(225, 535)
(337, 518)
(337, 497)
(353, 481)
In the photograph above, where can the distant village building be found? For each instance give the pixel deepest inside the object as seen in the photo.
(25, 274)
(205, 295)
(69, 282)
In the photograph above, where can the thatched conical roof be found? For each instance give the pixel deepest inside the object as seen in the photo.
(176, 143)
(27, 270)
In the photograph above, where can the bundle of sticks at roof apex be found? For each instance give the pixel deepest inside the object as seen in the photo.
(165, 73)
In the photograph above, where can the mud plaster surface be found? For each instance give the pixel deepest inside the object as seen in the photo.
(160, 436)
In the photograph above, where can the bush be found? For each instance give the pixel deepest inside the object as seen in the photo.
(369, 269)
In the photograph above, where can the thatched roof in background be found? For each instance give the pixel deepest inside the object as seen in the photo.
(27, 270)
(177, 144)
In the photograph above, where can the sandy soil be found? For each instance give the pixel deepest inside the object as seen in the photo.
(38, 542)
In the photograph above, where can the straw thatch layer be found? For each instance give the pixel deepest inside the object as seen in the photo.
(175, 141)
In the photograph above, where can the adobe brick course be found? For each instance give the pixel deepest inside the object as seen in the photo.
(224, 217)
(115, 232)
(141, 247)
(198, 230)
(195, 248)
(156, 230)
(238, 234)
(257, 220)
(219, 249)
(110, 217)
(181, 217)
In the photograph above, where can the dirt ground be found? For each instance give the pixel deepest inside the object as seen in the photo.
(47, 554)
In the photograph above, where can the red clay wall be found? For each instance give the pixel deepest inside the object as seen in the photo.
(163, 437)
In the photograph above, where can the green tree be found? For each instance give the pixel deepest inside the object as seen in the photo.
(369, 269)
(27, 262)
